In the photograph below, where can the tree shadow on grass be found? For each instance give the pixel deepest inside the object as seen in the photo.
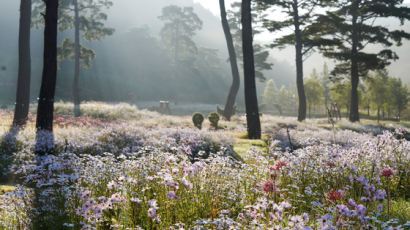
(50, 184)
(8, 148)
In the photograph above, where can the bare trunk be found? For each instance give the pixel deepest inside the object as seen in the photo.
(354, 102)
(251, 100)
(48, 83)
(230, 102)
(299, 64)
(378, 115)
(76, 89)
(24, 69)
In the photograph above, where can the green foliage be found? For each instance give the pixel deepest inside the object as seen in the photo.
(340, 93)
(198, 118)
(91, 23)
(66, 52)
(270, 94)
(214, 119)
(337, 25)
(261, 54)
(314, 90)
(305, 17)
(180, 25)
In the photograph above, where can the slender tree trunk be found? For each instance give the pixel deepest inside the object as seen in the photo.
(24, 69)
(299, 64)
(378, 114)
(48, 83)
(76, 88)
(251, 99)
(354, 103)
(230, 102)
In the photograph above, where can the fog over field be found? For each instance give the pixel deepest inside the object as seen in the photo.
(204, 114)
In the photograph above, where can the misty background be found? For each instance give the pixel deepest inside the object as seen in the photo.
(133, 65)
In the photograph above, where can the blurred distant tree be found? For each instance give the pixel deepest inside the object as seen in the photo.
(85, 16)
(399, 96)
(325, 82)
(251, 99)
(378, 91)
(340, 94)
(48, 82)
(230, 101)
(180, 25)
(314, 91)
(261, 54)
(299, 15)
(24, 67)
(270, 94)
(351, 25)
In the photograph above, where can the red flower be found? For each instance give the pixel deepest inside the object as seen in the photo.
(279, 165)
(330, 164)
(334, 195)
(268, 187)
(387, 172)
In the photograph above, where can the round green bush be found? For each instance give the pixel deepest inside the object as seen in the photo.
(198, 118)
(214, 119)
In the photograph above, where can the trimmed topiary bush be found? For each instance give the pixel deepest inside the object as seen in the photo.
(214, 119)
(198, 118)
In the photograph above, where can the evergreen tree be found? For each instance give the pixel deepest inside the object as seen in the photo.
(399, 96)
(378, 91)
(180, 25)
(299, 15)
(314, 91)
(230, 102)
(270, 94)
(84, 16)
(24, 67)
(251, 99)
(45, 108)
(261, 54)
(351, 24)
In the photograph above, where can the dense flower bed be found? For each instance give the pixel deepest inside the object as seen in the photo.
(123, 177)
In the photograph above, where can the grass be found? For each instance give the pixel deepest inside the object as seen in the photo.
(6, 188)
(242, 145)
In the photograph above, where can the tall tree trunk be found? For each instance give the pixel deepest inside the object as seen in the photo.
(230, 102)
(354, 103)
(299, 64)
(48, 83)
(378, 114)
(24, 69)
(251, 99)
(76, 89)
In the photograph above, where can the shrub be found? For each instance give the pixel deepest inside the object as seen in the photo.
(214, 119)
(198, 118)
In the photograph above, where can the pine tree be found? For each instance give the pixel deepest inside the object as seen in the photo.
(251, 100)
(351, 25)
(24, 67)
(86, 18)
(300, 14)
(230, 102)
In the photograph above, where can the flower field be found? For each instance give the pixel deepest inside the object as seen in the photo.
(123, 173)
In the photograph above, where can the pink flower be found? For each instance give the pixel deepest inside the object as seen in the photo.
(387, 172)
(268, 187)
(279, 165)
